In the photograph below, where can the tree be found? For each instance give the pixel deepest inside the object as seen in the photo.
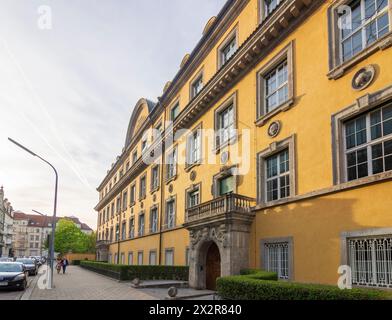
(69, 238)
(92, 241)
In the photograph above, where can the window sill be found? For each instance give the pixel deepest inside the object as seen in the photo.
(381, 44)
(154, 190)
(219, 147)
(171, 179)
(190, 166)
(261, 121)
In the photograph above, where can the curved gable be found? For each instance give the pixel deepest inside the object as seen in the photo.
(139, 116)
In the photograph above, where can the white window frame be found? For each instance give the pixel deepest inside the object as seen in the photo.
(132, 228)
(152, 253)
(197, 85)
(284, 245)
(194, 147)
(140, 258)
(169, 250)
(155, 179)
(368, 145)
(176, 105)
(154, 219)
(130, 258)
(170, 216)
(141, 226)
(279, 175)
(171, 166)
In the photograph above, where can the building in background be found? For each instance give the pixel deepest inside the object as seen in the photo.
(6, 226)
(31, 232)
(305, 95)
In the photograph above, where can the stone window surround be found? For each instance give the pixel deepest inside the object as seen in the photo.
(156, 188)
(290, 241)
(225, 172)
(189, 166)
(124, 200)
(168, 153)
(132, 203)
(138, 224)
(363, 104)
(338, 68)
(142, 255)
(233, 34)
(231, 100)
(174, 199)
(130, 254)
(192, 188)
(274, 148)
(199, 75)
(143, 176)
(261, 11)
(287, 53)
(170, 249)
(172, 106)
(155, 206)
(365, 233)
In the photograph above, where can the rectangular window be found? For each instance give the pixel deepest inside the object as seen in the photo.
(194, 147)
(277, 176)
(130, 258)
(226, 125)
(276, 87)
(169, 257)
(141, 225)
(132, 228)
(368, 143)
(370, 260)
(154, 178)
(112, 210)
(228, 50)
(140, 258)
(154, 220)
(118, 205)
(122, 260)
(134, 157)
(171, 214)
(367, 22)
(270, 6)
(277, 258)
(142, 190)
(153, 258)
(111, 234)
(133, 194)
(171, 171)
(115, 258)
(196, 86)
(193, 198)
(226, 185)
(158, 131)
(144, 144)
(175, 111)
(125, 201)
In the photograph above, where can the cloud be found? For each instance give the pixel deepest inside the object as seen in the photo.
(68, 93)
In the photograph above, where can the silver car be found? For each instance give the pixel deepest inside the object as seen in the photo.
(30, 265)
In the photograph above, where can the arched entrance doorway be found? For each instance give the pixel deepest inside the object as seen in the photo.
(213, 266)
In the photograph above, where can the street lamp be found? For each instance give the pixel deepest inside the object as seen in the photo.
(42, 232)
(51, 249)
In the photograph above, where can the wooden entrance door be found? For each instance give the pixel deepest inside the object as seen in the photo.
(213, 266)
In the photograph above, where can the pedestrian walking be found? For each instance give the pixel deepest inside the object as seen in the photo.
(59, 265)
(65, 264)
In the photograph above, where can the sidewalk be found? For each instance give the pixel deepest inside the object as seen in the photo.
(80, 284)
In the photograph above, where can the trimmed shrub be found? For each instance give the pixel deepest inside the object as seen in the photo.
(247, 287)
(75, 262)
(126, 272)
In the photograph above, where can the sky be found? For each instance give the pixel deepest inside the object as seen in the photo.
(71, 72)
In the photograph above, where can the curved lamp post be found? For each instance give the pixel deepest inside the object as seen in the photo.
(51, 248)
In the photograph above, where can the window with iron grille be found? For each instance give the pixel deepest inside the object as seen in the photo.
(370, 260)
(367, 22)
(368, 143)
(277, 258)
(277, 176)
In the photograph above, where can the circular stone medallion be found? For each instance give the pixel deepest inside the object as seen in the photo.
(274, 129)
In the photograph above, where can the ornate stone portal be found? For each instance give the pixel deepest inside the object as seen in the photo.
(228, 227)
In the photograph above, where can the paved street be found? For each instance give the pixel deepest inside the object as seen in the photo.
(80, 284)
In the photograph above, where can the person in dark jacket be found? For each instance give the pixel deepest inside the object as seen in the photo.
(65, 264)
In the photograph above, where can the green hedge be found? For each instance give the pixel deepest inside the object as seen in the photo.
(75, 262)
(126, 272)
(256, 285)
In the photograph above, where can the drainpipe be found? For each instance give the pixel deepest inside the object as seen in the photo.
(162, 189)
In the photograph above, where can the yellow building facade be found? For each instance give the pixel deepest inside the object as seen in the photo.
(271, 148)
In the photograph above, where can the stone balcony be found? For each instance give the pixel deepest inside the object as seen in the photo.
(220, 208)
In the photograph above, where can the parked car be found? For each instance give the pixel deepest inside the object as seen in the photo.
(30, 265)
(13, 275)
(6, 259)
